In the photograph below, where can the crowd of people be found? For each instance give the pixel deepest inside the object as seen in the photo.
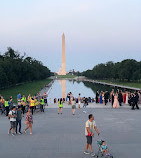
(33, 104)
(115, 98)
(15, 112)
(119, 97)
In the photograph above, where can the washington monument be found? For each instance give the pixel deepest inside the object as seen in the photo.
(62, 71)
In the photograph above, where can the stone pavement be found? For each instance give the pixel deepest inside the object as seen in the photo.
(62, 136)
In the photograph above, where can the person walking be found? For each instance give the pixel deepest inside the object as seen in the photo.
(73, 103)
(60, 106)
(19, 119)
(90, 126)
(12, 115)
(29, 121)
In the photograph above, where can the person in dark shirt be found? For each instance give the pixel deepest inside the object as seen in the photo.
(19, 119)
(97, 95)
(120, 98)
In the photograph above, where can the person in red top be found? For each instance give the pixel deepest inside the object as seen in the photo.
(124, 98)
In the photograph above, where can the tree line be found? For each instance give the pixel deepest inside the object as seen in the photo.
(16, 69)
(126, 70)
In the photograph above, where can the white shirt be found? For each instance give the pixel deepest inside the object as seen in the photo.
(91, 126)
(12, 113)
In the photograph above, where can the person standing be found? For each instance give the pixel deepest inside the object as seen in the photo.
(23, 104)
(2, 102)
(101, 100)
(79, 100)
(19, 97)
(120, 98)
(73, 103)
(112, 97)
(139, 93)
(116, 103)
(45, 98)
(7, 107)
(28, 99)
(32, 104)
(29, 121)
(106, 97)
(97, 95)
(19, 119)
(127, 98)
(124, 98)
(90, 126)
(85, 104)
(60, 106)
(136, 99)
(12, 115)
(42, 104)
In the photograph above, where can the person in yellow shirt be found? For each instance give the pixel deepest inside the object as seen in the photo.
(32, 104)
(42, 104)
(23, 104)
(29, 98)
(36, 103)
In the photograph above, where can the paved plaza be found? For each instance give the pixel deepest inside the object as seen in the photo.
(62, 136)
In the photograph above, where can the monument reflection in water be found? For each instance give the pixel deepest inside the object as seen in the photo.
(63, 85)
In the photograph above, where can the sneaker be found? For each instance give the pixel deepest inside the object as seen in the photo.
(86, 153)
(9, 132)
(13, 134)
(19, 132)
(108, 154)
(24, 131)
(30, 133)
(93, 154)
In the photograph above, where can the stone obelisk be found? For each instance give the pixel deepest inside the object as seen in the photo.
(62, 71)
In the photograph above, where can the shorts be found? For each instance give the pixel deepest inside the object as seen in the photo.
(13, 124)
(45, 100)
(79, 102)
(73, 107)
(89, 140)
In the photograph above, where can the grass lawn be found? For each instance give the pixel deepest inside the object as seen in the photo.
(29, 88)
(129, 84)
(66, 76)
